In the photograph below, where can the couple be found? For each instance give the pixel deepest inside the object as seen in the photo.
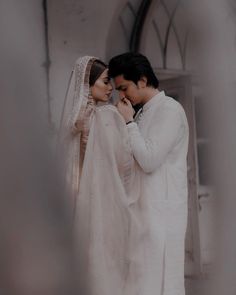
(128, 178)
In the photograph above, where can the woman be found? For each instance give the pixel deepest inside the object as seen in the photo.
(99, 170)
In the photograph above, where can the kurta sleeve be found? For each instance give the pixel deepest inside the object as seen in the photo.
(151, 151)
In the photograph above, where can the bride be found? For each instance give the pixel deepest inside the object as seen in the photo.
(99, 168)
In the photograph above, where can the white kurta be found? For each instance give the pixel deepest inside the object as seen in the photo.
(159, 143)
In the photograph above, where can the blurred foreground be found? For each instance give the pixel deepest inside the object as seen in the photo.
(36, 246)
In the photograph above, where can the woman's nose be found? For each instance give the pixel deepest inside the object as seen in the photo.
(110, 87)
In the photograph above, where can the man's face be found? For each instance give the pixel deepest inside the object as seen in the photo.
(128, 89)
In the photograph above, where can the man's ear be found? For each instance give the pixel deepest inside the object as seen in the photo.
(142, 82)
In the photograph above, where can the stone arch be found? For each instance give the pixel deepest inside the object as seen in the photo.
(122, 26)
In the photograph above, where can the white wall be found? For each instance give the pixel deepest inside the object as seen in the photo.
(23, 43)
(76, 28)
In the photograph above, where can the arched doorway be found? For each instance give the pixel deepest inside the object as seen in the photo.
(165, 40)
(160, 30)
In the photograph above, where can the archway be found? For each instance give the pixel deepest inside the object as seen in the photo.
(162, 33)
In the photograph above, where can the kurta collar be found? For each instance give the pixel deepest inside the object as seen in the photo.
(156, 98)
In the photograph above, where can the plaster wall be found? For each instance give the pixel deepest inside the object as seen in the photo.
(76, 28)
(23, 45)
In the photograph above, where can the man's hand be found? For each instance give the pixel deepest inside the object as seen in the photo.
(126, 110)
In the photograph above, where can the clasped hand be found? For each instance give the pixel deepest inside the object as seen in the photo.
(125, 109)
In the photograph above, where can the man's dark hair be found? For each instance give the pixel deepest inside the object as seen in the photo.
(133, 66)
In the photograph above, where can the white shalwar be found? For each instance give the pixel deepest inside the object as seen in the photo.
(159, 143)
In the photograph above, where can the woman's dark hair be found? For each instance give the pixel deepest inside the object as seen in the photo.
(133, 66)
(97, 68)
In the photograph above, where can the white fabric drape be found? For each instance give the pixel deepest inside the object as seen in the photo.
(102, 216)
(76, 114)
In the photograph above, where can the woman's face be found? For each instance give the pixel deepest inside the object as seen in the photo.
(101, 90)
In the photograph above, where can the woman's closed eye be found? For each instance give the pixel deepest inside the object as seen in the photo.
(106, 81)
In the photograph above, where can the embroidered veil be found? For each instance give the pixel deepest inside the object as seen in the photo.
(74, 126)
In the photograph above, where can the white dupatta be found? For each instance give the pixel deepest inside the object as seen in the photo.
(101, 183)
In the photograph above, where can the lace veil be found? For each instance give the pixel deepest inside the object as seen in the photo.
(76, 114)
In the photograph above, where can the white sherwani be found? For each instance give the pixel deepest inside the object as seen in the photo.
(158, 206)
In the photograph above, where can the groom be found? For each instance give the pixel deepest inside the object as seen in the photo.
(159, 142)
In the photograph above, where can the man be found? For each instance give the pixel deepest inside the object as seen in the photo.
(158, 203)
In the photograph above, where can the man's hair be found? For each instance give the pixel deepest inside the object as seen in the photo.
(133, 66)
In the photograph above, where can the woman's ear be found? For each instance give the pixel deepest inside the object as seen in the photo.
(142, 82)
